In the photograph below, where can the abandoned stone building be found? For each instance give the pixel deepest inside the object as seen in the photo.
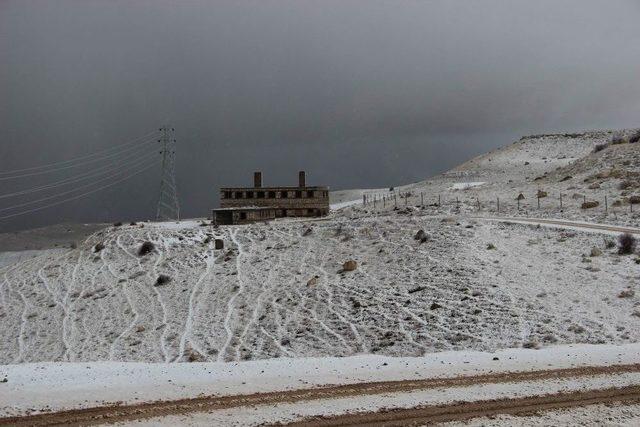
(244, 205)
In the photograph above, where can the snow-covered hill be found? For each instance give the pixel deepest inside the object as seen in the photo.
(277, 289)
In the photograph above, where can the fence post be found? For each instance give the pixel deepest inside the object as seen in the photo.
(457, 203)
(395, 199)
(364, 200)
(374, 201)
(538, 196)
(518, 203)
(606, 204)
(560, 201)
(384, 201)
(438, 200)
(422, 199)
(406, 196)
(498, 199)
(478, 199)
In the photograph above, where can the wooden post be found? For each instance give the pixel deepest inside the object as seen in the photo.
(406, 196)
(438, 200)
(478, 199)
(538, 195)
(395, 199)
(606, 204)
(422, 199)
(560, 201)
(498, 200)
(364, 200)
(384, 201)
(518, 203)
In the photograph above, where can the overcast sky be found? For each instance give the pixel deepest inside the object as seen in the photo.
(358, 93)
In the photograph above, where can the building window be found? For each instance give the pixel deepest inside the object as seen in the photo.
(249, 194)
(260, 194)
(243, 215)
(284, 194)
(272, 194)
(298, 194)
(238, 194)
(309, 194)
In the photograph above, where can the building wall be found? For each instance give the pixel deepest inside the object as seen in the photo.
(242, 216)
(289, 201)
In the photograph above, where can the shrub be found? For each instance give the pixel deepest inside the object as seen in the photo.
(117, 224)
(635, 137)
(162, 279)
(624, 185)
(617, 139)
(626, 244)
(609, 244)
(98, 247)
(145, 248)
(600, 147)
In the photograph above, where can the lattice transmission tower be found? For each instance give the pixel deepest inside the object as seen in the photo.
(168, 206)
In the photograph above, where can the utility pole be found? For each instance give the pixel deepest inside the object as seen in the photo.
(168, 206)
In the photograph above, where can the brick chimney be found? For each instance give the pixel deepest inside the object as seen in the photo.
(257, 179)
(302, 179)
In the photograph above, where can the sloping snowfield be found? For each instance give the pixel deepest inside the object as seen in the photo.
(276, 290)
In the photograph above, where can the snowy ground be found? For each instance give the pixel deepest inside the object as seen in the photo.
(276, 291)
(79, 385)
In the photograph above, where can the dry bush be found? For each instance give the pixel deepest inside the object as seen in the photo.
(162, 279)
(626, 244)
(617, 139)
(600, 147)
(624, 185)
(635, 137)
(146, 248)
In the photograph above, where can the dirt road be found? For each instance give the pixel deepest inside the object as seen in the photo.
(563, 223)
(119, 413)
(467, 410)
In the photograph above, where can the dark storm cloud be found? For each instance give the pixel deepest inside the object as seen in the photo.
(359, 93)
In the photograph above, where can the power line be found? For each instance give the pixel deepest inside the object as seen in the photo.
(133, 141)
(90, 174)
(135, 147)
(68, 191)
(78, 196)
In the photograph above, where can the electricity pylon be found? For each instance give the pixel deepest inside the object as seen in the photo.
(168, 206)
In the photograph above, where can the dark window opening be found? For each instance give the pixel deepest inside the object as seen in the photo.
(243, 215)
(284, 194)
(310, 194)
(249, 194)
(260, 194)
(298, 194)
(272, 194)
(238, 194)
